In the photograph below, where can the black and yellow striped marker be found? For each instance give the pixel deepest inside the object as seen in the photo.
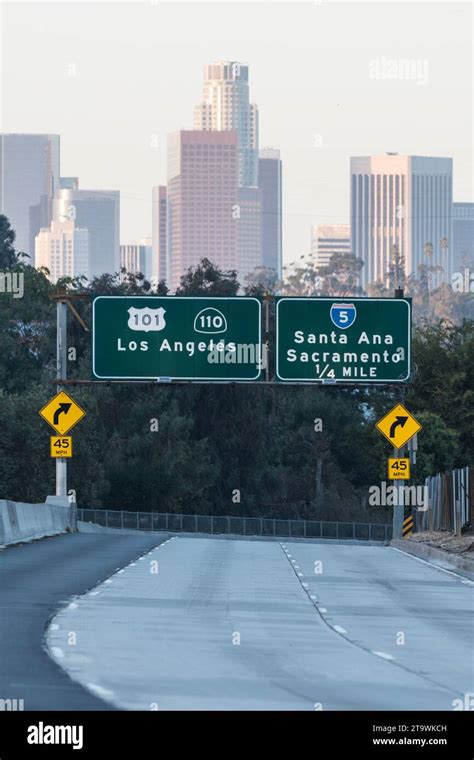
(408, 525)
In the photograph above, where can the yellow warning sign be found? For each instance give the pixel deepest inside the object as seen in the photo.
(62, 413)
(398, 468)
(408, 525)
(398, 426)
(60, 446)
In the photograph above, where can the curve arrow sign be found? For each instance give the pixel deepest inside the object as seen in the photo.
(399, 422)
(63, 408)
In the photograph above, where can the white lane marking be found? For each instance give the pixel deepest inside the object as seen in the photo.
(339, 629)
(313, 598)
(99, 690)
(300, 575)
(57, 652)
(436, 567)
(54, 627)
(132, 564)
(94, 593)
(323, 610)
(73, 606)
(305, 585)
(384, 655)
(108, 581)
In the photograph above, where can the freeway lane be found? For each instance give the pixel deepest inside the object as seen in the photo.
(224, 624)
(420, 618)
(35, 579)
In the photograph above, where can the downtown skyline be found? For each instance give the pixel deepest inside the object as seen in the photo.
(310, 118)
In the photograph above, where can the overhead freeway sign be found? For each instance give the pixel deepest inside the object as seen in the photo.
(349, 340)
(176, 338)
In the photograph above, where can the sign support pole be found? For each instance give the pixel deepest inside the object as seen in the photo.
(267, 338)
(61, 373)
(398, 509)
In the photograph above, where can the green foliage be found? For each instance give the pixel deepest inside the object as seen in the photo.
(207, 279)
(262, 440)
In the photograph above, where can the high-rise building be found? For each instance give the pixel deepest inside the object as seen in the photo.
(463, 236)
(402, 201)
(328, 239)
(270, 184)
(249, 231)
(202, 201)
(136, 258)
(99, 212)
(63, 249)
(225, 105)
(29, 179)
(158, 264)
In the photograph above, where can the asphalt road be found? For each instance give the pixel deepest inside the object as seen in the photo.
(209, 624)
(35, 579)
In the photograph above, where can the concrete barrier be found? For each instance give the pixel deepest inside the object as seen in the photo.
(26, 522)
(446, 560)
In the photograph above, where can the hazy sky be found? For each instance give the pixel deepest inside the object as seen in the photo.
(109, 77)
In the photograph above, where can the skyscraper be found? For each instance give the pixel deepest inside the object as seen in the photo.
(135, 258)
(63, 249)
(328, 239)
(99, 212)
(463, 236)
(225, 106)
(249, 233)
(270, 184)
(158, 265)
(29, 179)
(402, 201)
(202, 200)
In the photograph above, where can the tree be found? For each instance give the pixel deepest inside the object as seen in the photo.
(341, 276)
(301, 279)
(397, 269)
(207, 279)
(8, 256)
(262, 280)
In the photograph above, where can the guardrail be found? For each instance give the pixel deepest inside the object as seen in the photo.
(450, 498)
(25, 522)
(232, 525)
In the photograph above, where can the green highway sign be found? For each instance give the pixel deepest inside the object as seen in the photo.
(349, 340)
(176, 338)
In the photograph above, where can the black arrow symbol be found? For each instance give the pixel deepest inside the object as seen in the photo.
(399, 422)
(63, 408)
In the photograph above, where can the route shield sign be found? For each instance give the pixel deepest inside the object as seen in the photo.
(177, 338)
(398, 426)
(348, 340)
(62, 413)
